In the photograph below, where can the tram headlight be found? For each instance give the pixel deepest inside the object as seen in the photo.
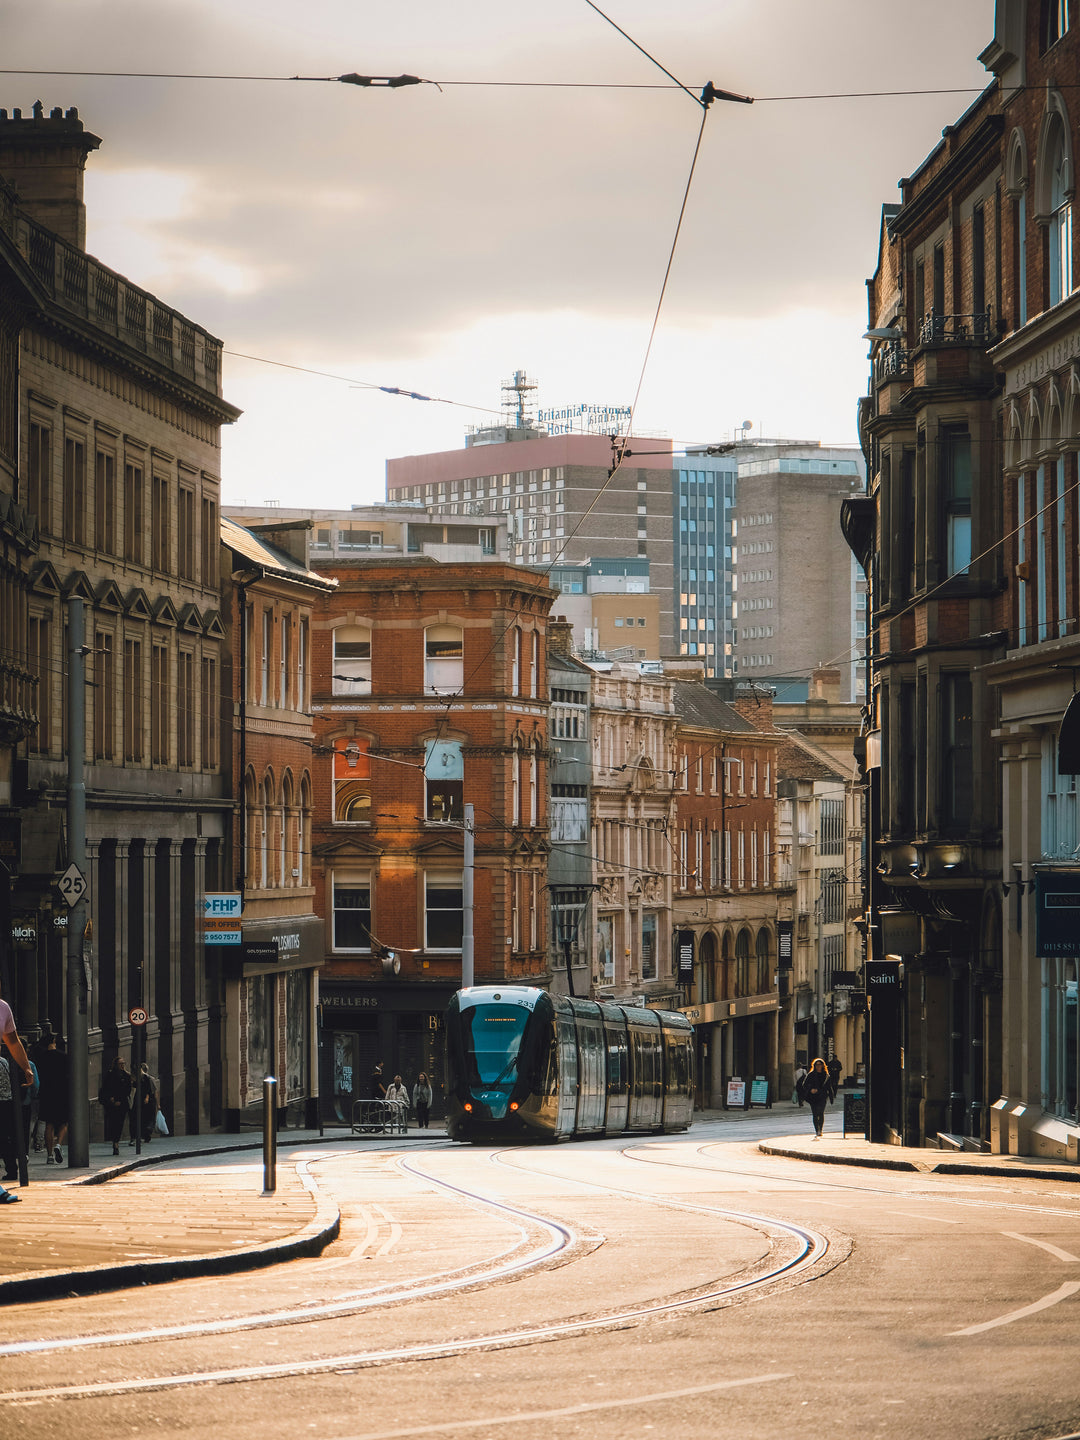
(513, 1104)
(468, 1106)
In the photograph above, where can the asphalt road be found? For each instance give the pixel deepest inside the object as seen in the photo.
(688, 1286)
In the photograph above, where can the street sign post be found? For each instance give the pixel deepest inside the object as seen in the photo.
(72, 885)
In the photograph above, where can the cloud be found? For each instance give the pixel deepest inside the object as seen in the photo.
(408, 233)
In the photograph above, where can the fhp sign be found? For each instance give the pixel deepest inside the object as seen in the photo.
(221, 917)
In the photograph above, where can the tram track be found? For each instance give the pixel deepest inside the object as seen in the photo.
(803, 1256)
(802, 1182)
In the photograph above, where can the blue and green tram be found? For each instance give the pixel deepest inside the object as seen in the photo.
(521, 1062)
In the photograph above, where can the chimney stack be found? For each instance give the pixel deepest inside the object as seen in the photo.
(43, 158)
(560, 636)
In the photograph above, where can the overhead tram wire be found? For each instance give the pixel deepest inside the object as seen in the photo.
(360, 384)
(398, 81)
(705, 101)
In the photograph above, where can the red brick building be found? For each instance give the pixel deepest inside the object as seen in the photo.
(725, 900)
(268, 983)
(429, 693)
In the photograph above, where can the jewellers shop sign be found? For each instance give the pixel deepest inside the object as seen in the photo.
(1057, 913)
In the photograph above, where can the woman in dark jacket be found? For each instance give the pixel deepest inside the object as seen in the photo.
(115, 1097)
(816, 1091)
(146, 1104)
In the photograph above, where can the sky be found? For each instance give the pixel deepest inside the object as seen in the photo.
(439, 239)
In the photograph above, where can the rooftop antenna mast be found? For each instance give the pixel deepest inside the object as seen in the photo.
(518, 402)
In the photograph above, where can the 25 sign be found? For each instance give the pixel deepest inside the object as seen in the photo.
(72, 885)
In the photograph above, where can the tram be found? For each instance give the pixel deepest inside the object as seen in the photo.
(522, 1062)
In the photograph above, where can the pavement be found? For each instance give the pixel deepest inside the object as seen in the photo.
(138, 1220)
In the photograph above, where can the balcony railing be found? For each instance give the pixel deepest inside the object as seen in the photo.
(891, 361)
(939, 329)
(78, 283)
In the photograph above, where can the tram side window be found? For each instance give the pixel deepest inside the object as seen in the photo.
(637, 1068)
(549, 1081)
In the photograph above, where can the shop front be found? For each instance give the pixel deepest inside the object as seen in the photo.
(735, 1039)
(363, 1023)
(271, 997)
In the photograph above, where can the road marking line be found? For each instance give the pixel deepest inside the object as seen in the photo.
(1061, 1293)
(1044, 1245)
(583, 1409)
(912, 1215)
(392, 1239)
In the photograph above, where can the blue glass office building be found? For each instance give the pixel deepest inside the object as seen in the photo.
(704, 506)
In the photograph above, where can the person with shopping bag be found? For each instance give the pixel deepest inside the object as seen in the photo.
(145, 1107)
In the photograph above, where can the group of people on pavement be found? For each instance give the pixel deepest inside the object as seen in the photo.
(122, 1099)
(817, 1086)
(397, 1094)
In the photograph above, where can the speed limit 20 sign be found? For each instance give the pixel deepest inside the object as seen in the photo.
(137, 1016)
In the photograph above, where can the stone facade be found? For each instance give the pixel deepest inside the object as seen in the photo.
(971, 533)
(119, 415)
(725, 891)
(633, 823)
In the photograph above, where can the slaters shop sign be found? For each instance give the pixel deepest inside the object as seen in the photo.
(1057, 913)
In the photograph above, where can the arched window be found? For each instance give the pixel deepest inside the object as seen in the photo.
(515, 786)
(729, 969)
(1060, 215)
(444, 780)
(444, 656)
(764, 963)
(1017, 182)
(742, 963)
(251, 828)
(303, 854)
(286, 863)
(534, 664)
(705, 977)
(352, 780)
(1053, 23)
(534, 788)
(515, 662)
(266, 818)
(351, 673)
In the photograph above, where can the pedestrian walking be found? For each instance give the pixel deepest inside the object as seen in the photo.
(421, 1099)
(835, 1070)
(378, 1083)
(10, 1086)
(14, 1046)
(816, 1090)
(114, 1096)
(53, 1097)
(145, 1108)
(800, 1079)
(397, 1096)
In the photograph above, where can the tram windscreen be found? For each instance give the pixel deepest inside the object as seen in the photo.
(493, 1040)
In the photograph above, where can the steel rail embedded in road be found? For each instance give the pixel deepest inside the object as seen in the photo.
(424, 1287)
(812, 1247)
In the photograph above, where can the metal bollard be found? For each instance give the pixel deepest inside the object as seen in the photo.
(269, 1135)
